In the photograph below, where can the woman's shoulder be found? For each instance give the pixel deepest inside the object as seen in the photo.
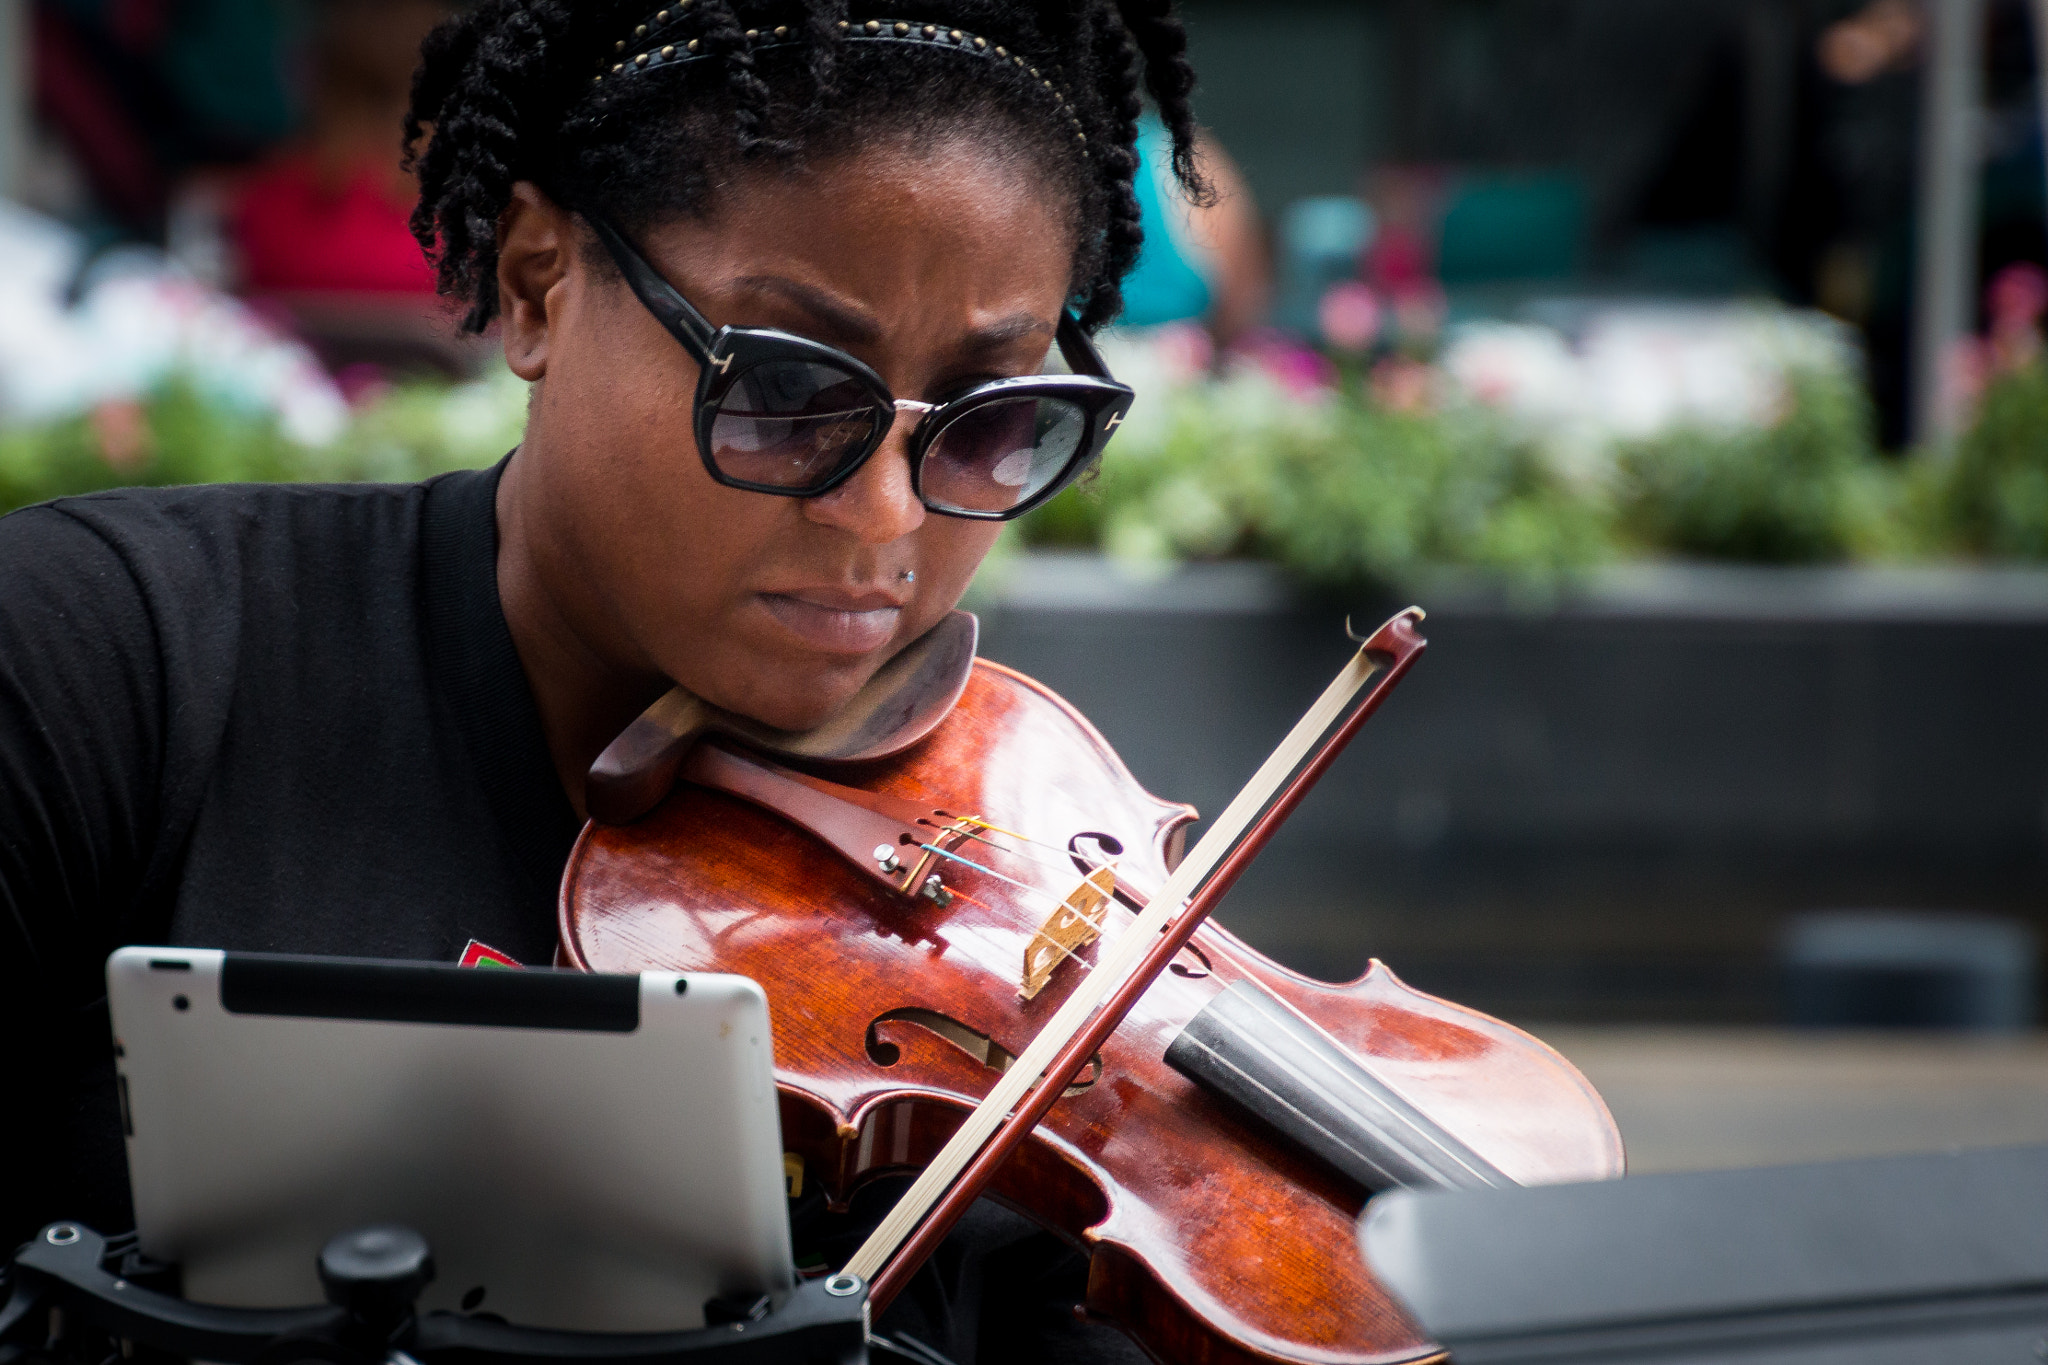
(169, 518)
(190, 580)
(195, 543)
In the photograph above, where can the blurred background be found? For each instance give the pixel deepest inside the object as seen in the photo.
(1684, 359)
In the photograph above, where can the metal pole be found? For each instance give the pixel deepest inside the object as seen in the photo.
(14, 95)
(2040, 17)
(1771, 85)
(1946, 269)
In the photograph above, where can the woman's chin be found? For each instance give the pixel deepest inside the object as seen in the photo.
(795, 704)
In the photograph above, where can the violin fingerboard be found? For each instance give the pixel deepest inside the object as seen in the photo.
(1251, 1051)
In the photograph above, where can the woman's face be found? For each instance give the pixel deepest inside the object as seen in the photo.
(940, 267)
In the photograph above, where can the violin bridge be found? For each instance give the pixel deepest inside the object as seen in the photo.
(1076, 923)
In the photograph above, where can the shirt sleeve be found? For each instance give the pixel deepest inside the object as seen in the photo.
(82, 714)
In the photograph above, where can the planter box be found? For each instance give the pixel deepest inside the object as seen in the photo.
(1605, 806)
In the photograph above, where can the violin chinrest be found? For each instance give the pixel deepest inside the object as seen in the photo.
(900, 705)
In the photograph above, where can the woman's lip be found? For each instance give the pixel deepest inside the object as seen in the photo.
(829, 598)
(836, 629)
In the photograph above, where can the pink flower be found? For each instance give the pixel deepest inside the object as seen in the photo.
(1185, 349)
(1402, 385)
(2014, 301)
(1303, 372)
(121, 428)
(1349, 316)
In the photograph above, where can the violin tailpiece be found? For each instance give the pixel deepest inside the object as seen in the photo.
(873, 832)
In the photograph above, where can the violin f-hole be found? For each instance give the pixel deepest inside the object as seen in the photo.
(1085, 863)
(973, 1042)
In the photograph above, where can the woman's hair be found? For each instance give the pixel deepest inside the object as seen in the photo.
(552, 91)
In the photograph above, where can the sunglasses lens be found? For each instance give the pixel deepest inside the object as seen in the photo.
(997, 456)
(791, 424)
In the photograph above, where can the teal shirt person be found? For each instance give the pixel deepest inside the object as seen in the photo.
(1170, 282)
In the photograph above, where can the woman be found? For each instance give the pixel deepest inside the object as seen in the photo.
(357, 720)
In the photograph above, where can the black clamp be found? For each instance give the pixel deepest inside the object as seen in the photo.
(373, 1278)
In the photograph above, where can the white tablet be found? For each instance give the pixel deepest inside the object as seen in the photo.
(581, 1151)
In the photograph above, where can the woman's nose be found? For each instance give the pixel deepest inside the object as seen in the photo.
(878, 503)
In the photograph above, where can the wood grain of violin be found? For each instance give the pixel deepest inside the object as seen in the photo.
(1213, 1235)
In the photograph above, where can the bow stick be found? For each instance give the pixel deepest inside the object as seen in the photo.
(1026, 1091)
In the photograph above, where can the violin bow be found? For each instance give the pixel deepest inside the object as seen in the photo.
(1100, 1000)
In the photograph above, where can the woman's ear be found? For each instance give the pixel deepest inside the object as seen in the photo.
(536, 251)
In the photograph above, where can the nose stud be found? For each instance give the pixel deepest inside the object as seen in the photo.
(908, 575)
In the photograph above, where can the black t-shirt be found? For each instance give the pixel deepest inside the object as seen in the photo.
(292, 719)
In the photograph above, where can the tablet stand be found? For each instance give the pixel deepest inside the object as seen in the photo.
(62, 1293)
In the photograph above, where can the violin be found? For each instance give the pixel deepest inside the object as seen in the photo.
(920, 914)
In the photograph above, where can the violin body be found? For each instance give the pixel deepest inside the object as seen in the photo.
(1212, 1238)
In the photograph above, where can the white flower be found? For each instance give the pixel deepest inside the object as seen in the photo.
(140, 320)
(1635, 372)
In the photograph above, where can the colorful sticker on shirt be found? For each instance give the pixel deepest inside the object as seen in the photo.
(483, 955)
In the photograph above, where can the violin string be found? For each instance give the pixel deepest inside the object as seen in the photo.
(1059, 902)
(1039, 858)
(1059, 858)
(1063, 951)
(1027, 1075)
(960, 826)
(1021, 886)
(1061, 863)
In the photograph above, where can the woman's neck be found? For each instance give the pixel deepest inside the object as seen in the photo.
(584, 694)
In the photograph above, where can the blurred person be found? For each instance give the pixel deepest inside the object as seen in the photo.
(131, 94)
(1847, 235)
(1400, 262)
(328, 211)
(1204, 259)
(1883, 36)
(318, 232)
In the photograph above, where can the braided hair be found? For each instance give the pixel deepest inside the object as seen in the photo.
(549, 91)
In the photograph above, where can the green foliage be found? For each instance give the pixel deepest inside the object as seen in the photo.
(1810, 487)
(423, 428)
(1993, 497)
(1338, 489)
(1393, 491)
(1335, 486)
(1342, 491)
(177, 436)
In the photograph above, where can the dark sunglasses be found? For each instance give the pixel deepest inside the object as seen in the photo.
(779, 414)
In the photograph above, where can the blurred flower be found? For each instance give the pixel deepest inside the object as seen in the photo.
(362, 383)
(1301, 370)
(137, 321)
(2015, 301)
(1526, 372)
(1419, 313)
(1638, 373)
(1399, 384)
(1349, 316)
(121, 428)
(1185, 350)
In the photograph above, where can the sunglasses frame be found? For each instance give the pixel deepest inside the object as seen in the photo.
(725, 354)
